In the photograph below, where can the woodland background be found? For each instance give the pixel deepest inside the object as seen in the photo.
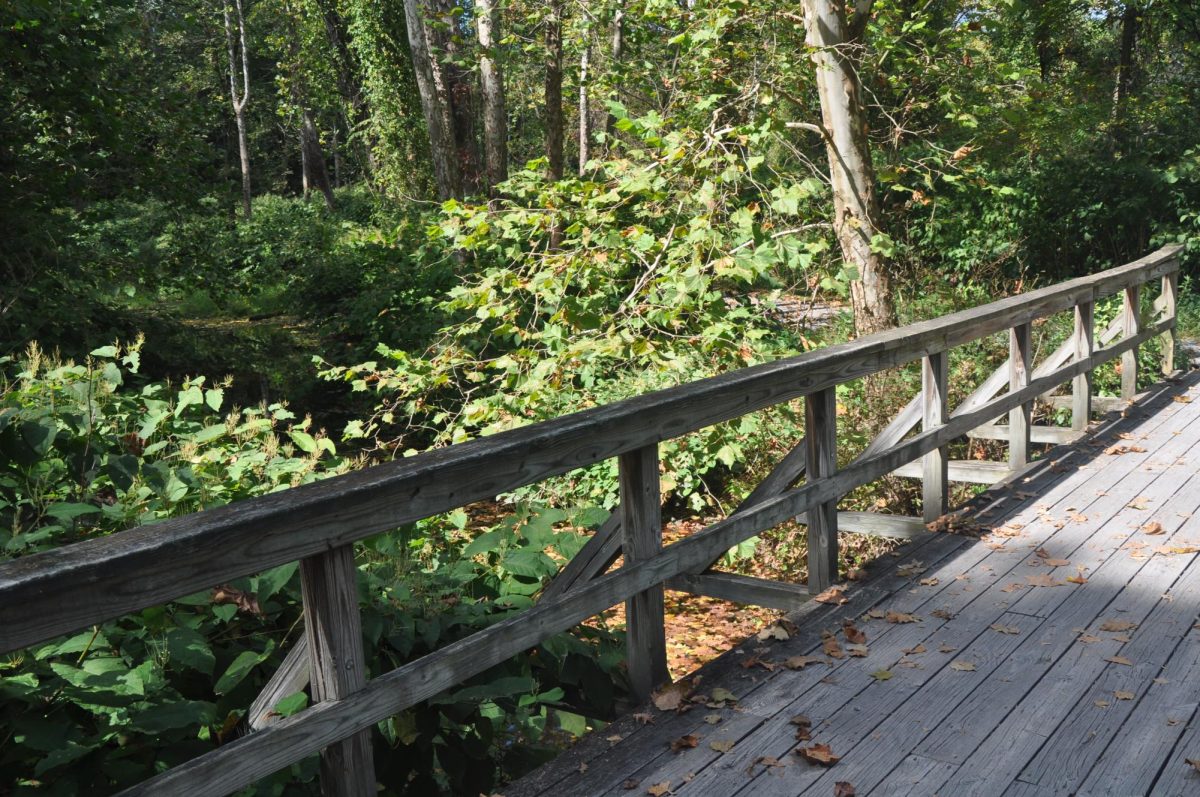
(253, 243)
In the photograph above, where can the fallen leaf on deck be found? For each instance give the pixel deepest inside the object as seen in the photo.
(1101, 703)
(721, 745)
(1012, 587)
(818, 754)
(1078, 578)
(1089, 638)
(712, 719)
(876, 614)
(1078, 518)
(684, 742)
(1005, 629)
(1141, 502)
(833, 648)
(616, 737)
(766, 761)
(644, 718)
(946, 649)
(1194, 763)
(670, 697)
(1042, 580)
(881, 675)
(1153, 527)
(1119, 660)
(857, 651)
(800, 662)
(843, 789)
(659, 789)
(962, 666)
(856, 574)
(853, 634)
(929, 582)
(900, 617)
(913, 651)
(942, 614)
(1183, 400)
(1056, 562)
(1119, 695)
(583, 767)
(721, 695)
(773, 632)
(1167, 549)
(630, 784)
(1117, 625)
(834, 595)
(910, 569)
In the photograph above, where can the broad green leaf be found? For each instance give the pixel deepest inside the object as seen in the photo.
(241, 667)
(190, 649)
(178, 714)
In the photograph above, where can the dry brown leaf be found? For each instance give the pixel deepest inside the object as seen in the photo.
(644, 718)
(1078, 518)
(721, 745)
(1013, 587)
(1119, 695)
(1153, 527)
(835, 596)
(1102, 703)
(773, 632)
(800, 662)
(1119, 660)
(910, 569)
(818, 754)
(876, 614)
(1089, 638)
(1141, 502)
(946, 649)
(857, 651)
(1056, 562)
(801, 720)
(1183, 400)
(659, 789)
(1005, 629)
(901, 617)
(942, 614)
(684, 742)
(1194, 763)
(843, 788)
(1042, 580)
(722, 696)
(245, 601)
(853, 634)
(962, 666)
(630, 784)
(856, 574)
(914, 651)
(712, 719)
(1078, 578)
(1117, 625)
(669, 698)
(929, 582)
(583, 767)
(882, 675)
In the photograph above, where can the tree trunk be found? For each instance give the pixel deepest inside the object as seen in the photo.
(314, 158)
(305, 188)
(349, 83)
(239, 103)
(491, 80)
(617, 53)
(1130, 22)
(434, 104)
(844, 128)
(554, 110)
(585, 126)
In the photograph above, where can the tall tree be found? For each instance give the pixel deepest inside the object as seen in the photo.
(234, 45)
(348, 72)
(435, 103)
(491, 80)
(585, 126)
(312, 158)
(1130, 21)
(554, 78)
(834, 41)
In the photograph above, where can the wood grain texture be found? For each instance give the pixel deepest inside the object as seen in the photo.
(641, 536)
(742, 589)
(820, 425)
(333, 629)
(91, 581)
(935, 484)
(1130, 325)
(1168, 299)
(1081, 386)
(1053, 435)
(291, 677)
(1020, 418)
(970, 471)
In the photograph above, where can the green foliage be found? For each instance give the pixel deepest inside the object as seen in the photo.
(89, 449)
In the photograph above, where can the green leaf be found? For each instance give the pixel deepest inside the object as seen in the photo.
(67, 512)
(122, 469)
(104, 351)
(190, 649)
(501, 687)
(529, 563)
(213, 398)
(69, 752)
(241, 667)
(303, 440)
(168, 716)
(291, 704)
(275, 579)
(574, 724)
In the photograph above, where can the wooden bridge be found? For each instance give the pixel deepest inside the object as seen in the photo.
(1038, 641)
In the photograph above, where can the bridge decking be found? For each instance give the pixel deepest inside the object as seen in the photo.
(1004, 685)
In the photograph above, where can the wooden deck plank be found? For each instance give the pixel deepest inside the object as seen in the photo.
(1006, 727)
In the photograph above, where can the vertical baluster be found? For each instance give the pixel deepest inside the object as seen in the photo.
(820, 411)
(1170, 288)
(1081, 385)
(1130, 326)
(935, 488)
(641, 530)
(334, 630)
(1020, 418)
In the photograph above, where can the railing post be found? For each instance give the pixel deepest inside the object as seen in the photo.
(1020, 418)
(935, 487)
(641, 534)
(820, 411)
(1130, 326)
(1170, 289)
(332, 624)
(1081, 386)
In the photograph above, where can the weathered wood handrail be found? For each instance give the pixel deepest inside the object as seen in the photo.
(97, 580)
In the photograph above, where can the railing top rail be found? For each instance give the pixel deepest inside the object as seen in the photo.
(97, 580)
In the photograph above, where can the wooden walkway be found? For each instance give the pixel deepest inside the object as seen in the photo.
(1013, 680)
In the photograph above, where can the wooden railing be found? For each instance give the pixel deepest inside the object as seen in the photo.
(59, 591)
